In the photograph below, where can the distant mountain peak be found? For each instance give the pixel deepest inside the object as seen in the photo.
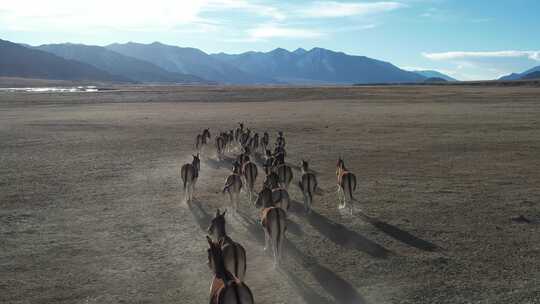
(279, 51)
(27, 62)
(115, 63)
(319, 49)
(318, 66)
(434, 74)
(188, 60)
(300, 51)
(523, 75)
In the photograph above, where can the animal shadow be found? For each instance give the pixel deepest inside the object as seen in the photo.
(201, 216)
(345, 237)
(253, 227)
(337, 287)
(307, 293)
(401, 235)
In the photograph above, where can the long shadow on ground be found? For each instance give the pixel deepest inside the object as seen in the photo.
(309, 294)
(343, 236)
(401, 235)
(201, 216)
(339, 289)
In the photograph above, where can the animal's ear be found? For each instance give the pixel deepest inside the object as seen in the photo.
(224, 211)
(217, 212)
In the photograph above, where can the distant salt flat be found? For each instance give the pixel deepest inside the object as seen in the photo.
(52, 89)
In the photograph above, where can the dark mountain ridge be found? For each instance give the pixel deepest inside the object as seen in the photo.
(19, 61)
(118, 64)
(318, 65)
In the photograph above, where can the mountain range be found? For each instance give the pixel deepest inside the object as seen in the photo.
(529, 74)
(318, 65)
(20, 61)
(161, 63)
(117, 64)
(189, 61)
(435, 74)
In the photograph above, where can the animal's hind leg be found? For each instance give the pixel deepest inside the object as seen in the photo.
(237, 203)
(231, 200)
(279, 248)
(275, 250)
(309, 200)
(351, 206)
(186, 192)
(341, 198)
(266, 239)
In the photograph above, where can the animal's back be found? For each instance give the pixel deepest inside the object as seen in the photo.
(187, 173)
(309, 182)
(347, 182)
(234, 256)
(235, 292)
(280, 198)
(235, 182)
(274, 219)
(285, 173)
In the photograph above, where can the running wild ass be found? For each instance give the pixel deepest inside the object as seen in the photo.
(346, 182)
(189, 174)
(234, 255)
(225, 288)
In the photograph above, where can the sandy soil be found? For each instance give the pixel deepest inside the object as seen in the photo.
(91, 208)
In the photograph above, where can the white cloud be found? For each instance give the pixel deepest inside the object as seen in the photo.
(68, 15)
(276, 31)
(486, 64)
(131, 15)
(333, 9)
(533, 55)
(255, 8)
(355, 28)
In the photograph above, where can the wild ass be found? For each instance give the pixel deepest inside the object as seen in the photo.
(346, 182)
(225, 288)
(308, 185)
(274, 222)
(234, 255)
(189, 174)
(249, 171)
(233, 185)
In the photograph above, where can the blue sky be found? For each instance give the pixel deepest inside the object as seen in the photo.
(465, 39)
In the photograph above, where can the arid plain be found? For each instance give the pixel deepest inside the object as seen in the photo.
(91, 206)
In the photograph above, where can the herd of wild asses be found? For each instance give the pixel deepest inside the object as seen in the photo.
(227, 258)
